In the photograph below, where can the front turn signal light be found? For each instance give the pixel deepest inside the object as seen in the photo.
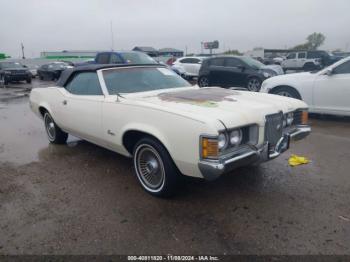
(210, 148)
(304, 117)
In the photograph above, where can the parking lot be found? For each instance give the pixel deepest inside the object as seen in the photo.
(82, 199)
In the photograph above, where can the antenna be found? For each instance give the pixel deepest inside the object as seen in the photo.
(112, 36)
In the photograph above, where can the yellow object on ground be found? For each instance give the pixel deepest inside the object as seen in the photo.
(295, 160)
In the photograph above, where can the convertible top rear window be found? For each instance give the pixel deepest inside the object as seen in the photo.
(141, 79)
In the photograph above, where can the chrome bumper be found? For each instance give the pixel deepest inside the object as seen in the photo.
(251, 154)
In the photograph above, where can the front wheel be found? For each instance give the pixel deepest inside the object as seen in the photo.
(29, 80)
(203, 81)
(287, 92)
(54, 133)
(254, 84)
(154, 168)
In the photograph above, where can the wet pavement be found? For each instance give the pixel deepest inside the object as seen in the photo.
(82, 199)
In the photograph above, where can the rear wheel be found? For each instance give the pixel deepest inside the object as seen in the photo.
(203, 81)
(54, 133)
(309, 67)
(254, 84)
(154, 168)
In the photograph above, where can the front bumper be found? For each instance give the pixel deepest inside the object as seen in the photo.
(251, 154)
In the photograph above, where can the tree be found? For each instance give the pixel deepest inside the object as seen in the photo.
(314, 41)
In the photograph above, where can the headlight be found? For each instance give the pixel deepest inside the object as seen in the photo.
(267, 75)
(222, 141)
(7, 72)
(236, 137)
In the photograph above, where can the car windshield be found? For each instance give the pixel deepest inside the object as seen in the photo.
(252, 62)
(141, 79)
(11, 65)
(58, 66)
(137, 58)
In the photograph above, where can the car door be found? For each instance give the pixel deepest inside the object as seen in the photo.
(301, 60)
(234, 72)
(187, 65)
(331, 92)
(82, 106)
(216, 71)
(290, 62)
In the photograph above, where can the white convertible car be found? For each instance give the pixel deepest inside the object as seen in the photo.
(326, 91)
(168, 126)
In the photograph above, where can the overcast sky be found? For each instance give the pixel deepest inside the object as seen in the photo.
(49, 25)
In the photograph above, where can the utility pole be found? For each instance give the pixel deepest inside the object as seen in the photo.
(112, 37)
(22, 46)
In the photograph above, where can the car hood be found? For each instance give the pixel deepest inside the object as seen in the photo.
(276, 68)
(231, 107)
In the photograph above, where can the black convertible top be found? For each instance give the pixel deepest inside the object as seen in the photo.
(70, 72)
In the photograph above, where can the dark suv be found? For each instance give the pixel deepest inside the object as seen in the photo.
(13, 72)
(233, 71)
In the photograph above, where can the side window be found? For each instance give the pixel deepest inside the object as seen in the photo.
(85, 84)
(188, 61)
(115, 59)
(103, 58)
(217, 62)
(292, 56)
(233, 62)
(302, 55)
(312, 55)
(342, 69)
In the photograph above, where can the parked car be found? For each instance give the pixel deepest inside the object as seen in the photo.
(235, 71)
(13, 72)
(33, 69)
(188, 65)
(308, 60)
(52, 71)
(167, 126)
(124, 57)
(326, 91)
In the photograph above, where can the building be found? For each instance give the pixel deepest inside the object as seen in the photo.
(170, 52)
(68, 54)
(146, 49)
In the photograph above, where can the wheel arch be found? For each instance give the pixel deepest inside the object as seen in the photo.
(132, 135)
(274, 89)
(42, 108)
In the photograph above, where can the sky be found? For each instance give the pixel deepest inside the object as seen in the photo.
(55, 25)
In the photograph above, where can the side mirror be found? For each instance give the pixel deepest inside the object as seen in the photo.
(329, 72)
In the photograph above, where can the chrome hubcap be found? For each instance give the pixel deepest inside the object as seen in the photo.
(149, 167)
(283, 93)
(254, 85)
(50, 127)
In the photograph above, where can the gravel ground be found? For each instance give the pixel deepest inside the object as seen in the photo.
(82, 199)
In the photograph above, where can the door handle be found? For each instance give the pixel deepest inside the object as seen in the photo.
(64, 102)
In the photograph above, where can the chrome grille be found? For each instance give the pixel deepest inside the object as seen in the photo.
(274, 128)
